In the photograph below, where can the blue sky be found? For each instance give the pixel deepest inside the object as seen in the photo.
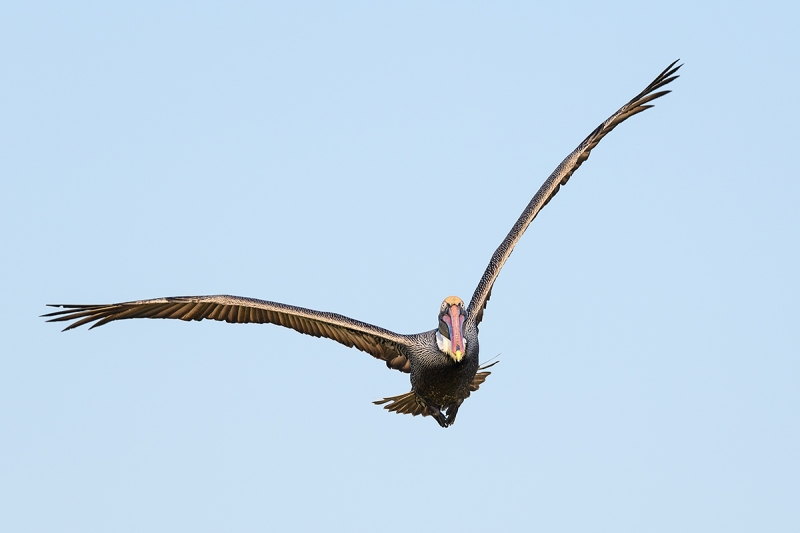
(312, 154)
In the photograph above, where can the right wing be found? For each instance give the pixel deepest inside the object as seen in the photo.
(558, 178)
(378, 342)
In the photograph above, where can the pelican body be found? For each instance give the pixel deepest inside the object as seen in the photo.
(444, 362)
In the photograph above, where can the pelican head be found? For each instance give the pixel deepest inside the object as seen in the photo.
(450, 336)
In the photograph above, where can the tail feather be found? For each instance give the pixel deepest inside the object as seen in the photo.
(480, 377)
(411, 404)
(405, 404)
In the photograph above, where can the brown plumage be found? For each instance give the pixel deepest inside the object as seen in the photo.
(443, 362)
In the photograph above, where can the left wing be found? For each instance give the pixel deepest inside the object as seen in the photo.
(378, 342)
(558, 178)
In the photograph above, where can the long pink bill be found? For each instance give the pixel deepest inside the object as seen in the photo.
(455, 321)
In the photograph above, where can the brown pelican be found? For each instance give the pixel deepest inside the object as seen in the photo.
(443, 362)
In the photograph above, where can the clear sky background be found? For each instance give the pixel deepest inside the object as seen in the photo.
(315, 154)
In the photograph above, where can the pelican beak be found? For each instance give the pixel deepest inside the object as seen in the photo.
(455, 320)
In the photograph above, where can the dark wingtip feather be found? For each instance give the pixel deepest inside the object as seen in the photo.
(69, 327)
(53, 313)
(81, 314)
(671, 69)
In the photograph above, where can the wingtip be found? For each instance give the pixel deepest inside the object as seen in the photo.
(672, 69)
(49, 314)
(52, 314)
(669, 72)
(69, 326)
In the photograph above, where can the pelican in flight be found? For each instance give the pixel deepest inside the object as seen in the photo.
(443, 362)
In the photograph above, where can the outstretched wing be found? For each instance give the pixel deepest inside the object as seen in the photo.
(559, 177)
(378, 342)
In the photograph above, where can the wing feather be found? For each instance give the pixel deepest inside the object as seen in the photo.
(378, 342)
(559, 177)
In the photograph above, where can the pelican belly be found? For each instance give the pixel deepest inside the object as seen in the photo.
(437, 378)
